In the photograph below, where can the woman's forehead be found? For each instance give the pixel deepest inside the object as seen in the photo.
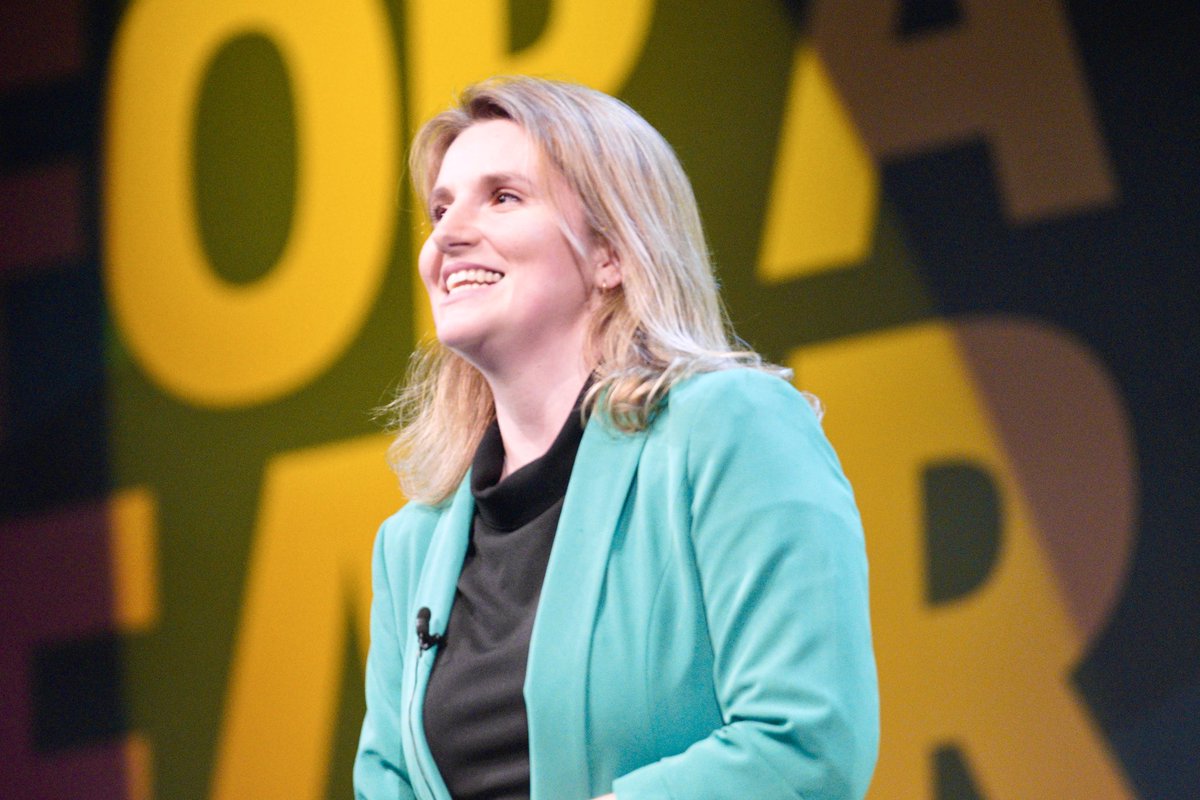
(492, 147)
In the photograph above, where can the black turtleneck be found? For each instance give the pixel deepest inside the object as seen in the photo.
(474, 708)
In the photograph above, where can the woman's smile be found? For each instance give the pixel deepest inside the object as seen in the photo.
(467, 277)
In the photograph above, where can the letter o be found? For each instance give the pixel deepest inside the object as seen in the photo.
(198, 336)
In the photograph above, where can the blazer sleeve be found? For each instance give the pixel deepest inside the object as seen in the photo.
(379, 769)
(779, 553)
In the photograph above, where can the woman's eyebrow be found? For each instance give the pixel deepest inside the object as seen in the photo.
(515, 179)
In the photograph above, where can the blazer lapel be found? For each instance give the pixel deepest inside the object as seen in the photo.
(560, 647)
(435, 591)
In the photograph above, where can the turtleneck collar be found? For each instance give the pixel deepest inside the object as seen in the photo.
(521, 497)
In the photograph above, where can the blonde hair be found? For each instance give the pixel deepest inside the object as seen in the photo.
(663, 323)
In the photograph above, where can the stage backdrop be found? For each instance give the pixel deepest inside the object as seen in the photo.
(970, 227)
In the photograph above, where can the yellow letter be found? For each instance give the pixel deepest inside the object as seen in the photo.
(201, 338)
(311, 556)
(989, 671)
(454, 43)
(133, 536)
(1008, 74)
(824, 194)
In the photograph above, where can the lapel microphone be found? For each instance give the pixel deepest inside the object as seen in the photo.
(426, 638)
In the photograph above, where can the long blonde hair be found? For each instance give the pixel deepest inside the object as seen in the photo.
(663, 323)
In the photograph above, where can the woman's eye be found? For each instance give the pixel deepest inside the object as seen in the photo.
(506, 197)
(436, 213)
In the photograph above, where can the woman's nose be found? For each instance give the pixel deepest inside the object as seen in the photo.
(456, 229)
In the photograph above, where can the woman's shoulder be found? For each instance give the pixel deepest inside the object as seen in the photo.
(739, 393)
(753, 425)
(405, 534)
(414, 514)
(740, 410)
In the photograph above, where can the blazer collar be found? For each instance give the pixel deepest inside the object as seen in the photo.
(560, 647)
(435, 591)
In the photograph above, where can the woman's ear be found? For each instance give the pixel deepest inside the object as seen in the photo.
(608, 268)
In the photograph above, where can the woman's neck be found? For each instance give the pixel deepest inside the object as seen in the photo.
(531, 411)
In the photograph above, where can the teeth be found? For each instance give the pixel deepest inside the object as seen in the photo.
(471, 277)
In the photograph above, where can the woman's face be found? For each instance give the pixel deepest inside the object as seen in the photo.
(503, 280)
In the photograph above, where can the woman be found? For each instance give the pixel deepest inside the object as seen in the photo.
(630, 565)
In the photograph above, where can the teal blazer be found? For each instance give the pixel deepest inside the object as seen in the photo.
(702, 630)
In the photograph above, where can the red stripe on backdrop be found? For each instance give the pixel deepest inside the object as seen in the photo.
(39, 40)
(56, 587)
(41, 216)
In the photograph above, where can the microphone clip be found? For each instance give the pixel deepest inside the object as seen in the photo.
(427, 639)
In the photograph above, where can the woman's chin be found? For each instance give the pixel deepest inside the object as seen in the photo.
(466, 344)
(456, 333)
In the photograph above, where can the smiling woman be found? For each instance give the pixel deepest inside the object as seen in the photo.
(631, 563)
(509, 292)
